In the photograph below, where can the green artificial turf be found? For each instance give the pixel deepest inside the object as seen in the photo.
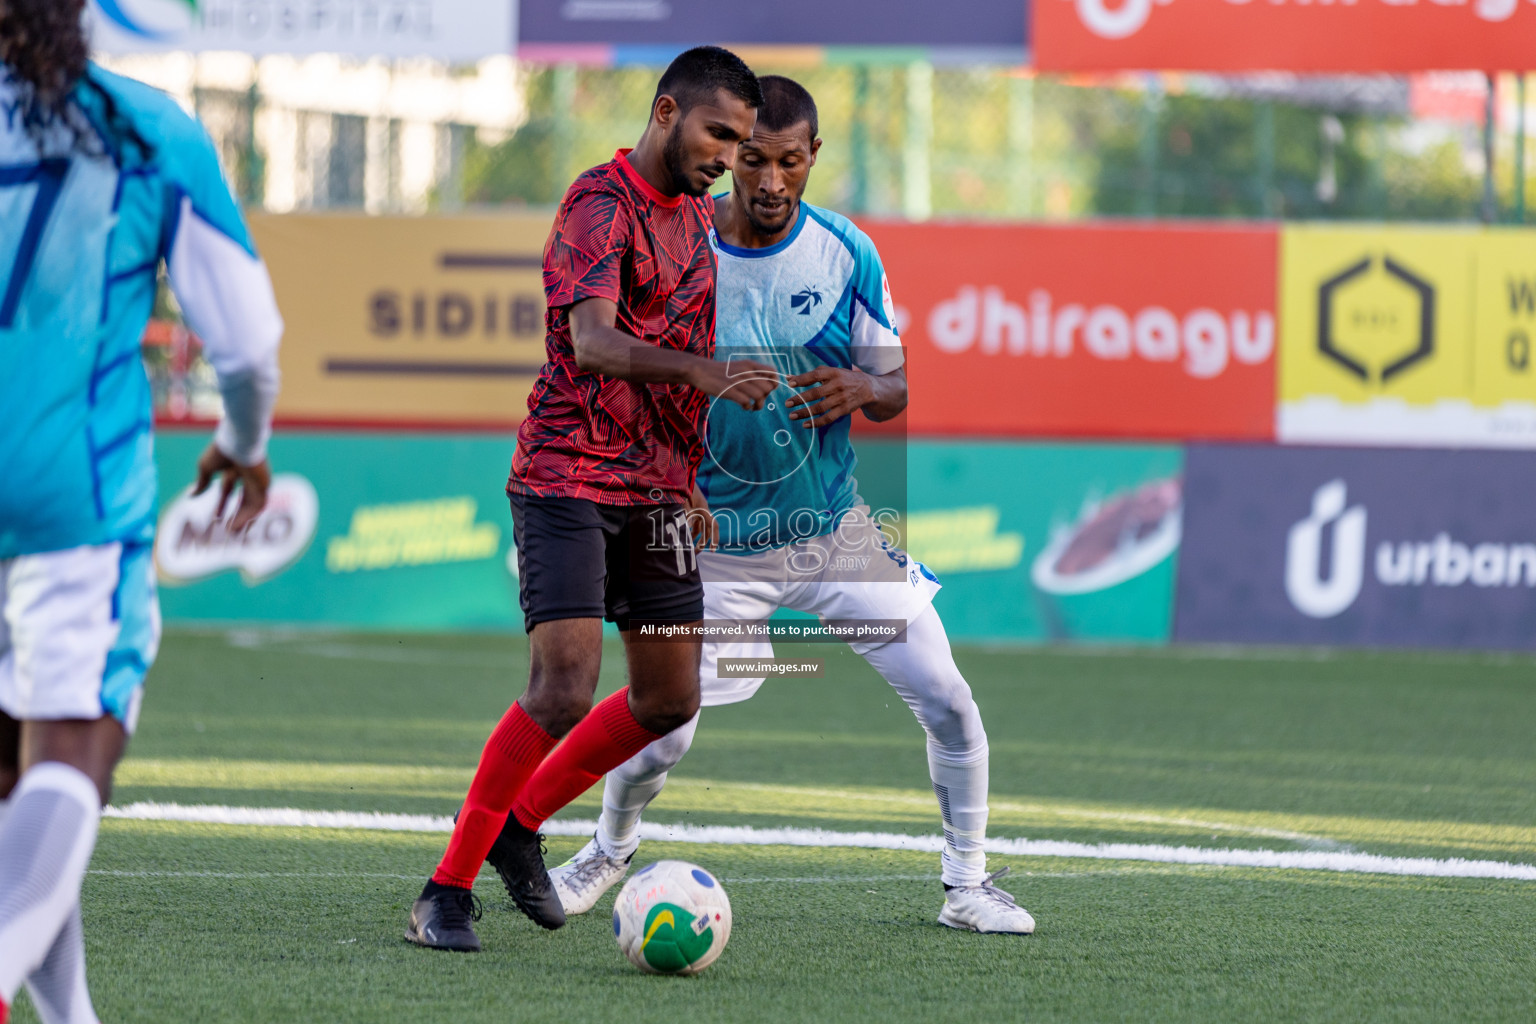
(1402, 754)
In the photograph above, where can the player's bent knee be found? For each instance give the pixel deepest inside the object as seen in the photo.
(555, 711)
(663, 715)
(955, 724)
(656, 759)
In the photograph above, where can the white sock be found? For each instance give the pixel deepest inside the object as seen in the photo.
(962, 792)
(58, 987)
(50, 830)
(923, 672)
(631, 787)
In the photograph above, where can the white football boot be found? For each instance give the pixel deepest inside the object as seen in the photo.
(985, 908)
(580, 881)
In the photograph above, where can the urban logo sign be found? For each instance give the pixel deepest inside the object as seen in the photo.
(1323, 584)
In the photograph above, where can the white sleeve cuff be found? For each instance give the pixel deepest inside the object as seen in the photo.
(247, 424)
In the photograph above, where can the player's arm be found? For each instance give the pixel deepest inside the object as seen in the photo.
(226, 297)
(877, 381)
(832, 393)
(600, 347)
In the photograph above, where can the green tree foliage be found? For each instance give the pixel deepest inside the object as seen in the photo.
(1003, 143)
(1193, 156)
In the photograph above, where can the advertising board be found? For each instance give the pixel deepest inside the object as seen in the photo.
(412, 321)
(1378, 547)
(1039, 542)
(987, 23)
(387, 530)
(1407, 336)
(450, 30)
(1158, 331)
(362, 530)
(1283, 35)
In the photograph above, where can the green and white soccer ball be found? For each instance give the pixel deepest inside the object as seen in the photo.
(672, 917)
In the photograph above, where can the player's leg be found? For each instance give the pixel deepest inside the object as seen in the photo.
(89, 749)
(629, 789)
(737, 588)
(923, 672)
(662, 695)
(10, 765)
(82, 627)
(653, 581)
(58, 985)
(728, 597)
(562, 573)
(10, 752)
(564, 660)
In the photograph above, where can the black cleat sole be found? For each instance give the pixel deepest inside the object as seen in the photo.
(416, 941)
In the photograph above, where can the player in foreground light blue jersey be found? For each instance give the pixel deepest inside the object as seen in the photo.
(102, 180)
(803, 289)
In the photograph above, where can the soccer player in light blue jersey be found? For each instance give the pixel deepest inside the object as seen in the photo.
(102, 180)
(803, 289)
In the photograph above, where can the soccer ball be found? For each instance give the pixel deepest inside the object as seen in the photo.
(672, 917)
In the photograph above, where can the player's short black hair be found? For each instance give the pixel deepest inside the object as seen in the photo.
(786, 103)
(696, 75)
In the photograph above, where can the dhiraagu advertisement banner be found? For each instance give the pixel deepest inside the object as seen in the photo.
(370, 529)
(1048, 542)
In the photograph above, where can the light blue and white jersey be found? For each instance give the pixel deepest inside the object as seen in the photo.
(818, 298)
(89, 208)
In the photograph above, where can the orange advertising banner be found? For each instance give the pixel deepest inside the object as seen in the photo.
(1284, 35)
(1151, 331)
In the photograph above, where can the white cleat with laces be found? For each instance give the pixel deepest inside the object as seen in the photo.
(984, 908)
(583, 879)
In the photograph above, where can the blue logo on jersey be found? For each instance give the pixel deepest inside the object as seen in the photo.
(119, 17)
(804, 301)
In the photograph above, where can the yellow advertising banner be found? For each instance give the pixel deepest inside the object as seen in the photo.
(1505, 368)
(407, 321)
(1407, 336)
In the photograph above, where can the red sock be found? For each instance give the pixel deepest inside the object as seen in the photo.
(515, 748)
(605, 739)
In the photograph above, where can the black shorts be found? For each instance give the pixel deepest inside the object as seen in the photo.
(577, 559)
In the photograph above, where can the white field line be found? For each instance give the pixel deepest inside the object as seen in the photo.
(743, 835)
(492, 880)
(927, 801)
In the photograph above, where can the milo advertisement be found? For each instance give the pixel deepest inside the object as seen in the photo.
(1032, 542)
(382, 530)
(1048, 542)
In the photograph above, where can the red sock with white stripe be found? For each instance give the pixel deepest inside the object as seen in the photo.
(511, 755)
(602, 741)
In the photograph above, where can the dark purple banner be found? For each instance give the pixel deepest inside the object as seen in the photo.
(992, 24)
(1373, 547)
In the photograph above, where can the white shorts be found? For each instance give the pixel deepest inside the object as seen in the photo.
(854, 573)
(78, 631)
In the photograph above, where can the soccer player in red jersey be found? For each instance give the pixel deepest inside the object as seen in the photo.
(602, 481)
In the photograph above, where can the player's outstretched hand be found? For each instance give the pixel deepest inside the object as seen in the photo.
(253, 481)
(830, 394)
(743, 381)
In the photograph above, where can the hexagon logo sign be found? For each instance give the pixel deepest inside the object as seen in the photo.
(1376, 318)
(1379, 333)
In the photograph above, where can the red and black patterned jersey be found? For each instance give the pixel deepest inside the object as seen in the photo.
(587, 435)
